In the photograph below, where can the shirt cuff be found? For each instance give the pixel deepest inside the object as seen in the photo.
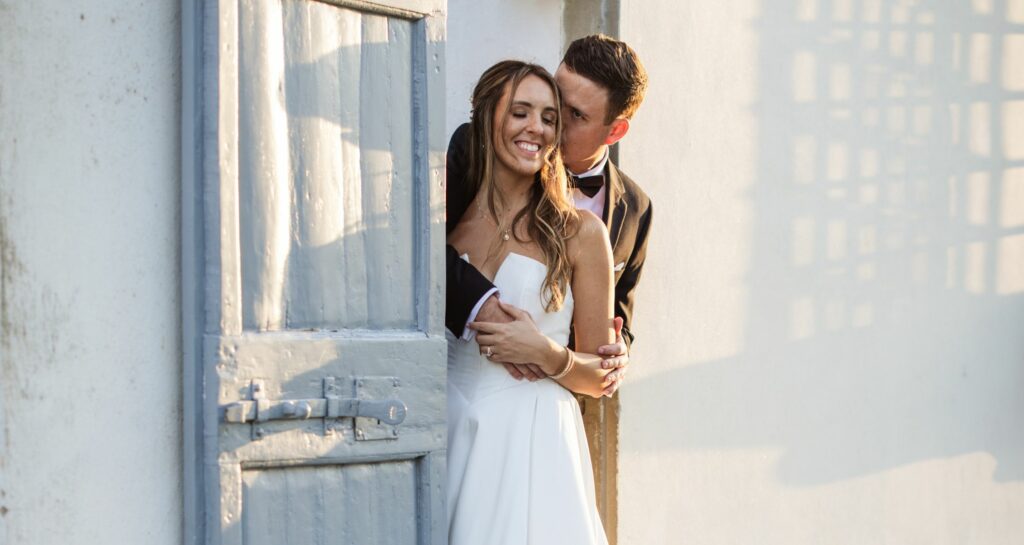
(468, 334)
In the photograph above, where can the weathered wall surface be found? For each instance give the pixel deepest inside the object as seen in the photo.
(829, 327)
(89, 192)
(483, 32)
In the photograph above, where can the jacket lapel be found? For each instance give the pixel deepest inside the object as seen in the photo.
(618, 205)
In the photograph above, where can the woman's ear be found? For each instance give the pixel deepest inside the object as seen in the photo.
(620, 126)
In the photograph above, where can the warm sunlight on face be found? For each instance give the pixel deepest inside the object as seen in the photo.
(584, 105)
(524, 135)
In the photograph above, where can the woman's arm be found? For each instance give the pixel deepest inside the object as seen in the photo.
(519, 342)
(592, 285)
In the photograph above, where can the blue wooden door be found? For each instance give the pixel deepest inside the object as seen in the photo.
(318, 385)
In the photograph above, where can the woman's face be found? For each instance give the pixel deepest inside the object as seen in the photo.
(523, 137)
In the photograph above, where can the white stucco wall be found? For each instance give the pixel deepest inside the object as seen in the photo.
(483, 32)
(829, 327)
(89, 205)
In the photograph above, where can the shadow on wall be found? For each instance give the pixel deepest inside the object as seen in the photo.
(885, 318)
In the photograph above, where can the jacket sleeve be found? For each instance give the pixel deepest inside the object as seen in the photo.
(465, 287)
(625, 288)
(458, 192)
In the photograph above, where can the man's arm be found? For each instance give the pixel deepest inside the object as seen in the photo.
(465, 287)
(458, 192)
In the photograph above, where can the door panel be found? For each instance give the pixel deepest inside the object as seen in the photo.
(322, 386)
(331, 504)
(326, 142)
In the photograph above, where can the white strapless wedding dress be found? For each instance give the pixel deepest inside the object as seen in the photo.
(518, 464)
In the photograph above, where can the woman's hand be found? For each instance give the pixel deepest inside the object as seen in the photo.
(517, 342)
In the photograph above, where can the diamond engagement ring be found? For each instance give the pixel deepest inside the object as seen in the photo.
(488, 352)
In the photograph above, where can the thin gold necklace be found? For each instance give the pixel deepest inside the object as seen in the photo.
(506, 233)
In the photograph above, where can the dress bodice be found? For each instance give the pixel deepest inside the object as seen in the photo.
(520, 280)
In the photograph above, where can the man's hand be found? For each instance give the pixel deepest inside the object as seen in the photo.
(495, 312)
(617, 358)
(491, 311)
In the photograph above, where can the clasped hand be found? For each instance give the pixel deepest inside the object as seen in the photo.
(508, 336)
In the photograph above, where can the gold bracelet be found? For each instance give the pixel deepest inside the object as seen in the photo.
(570, 361)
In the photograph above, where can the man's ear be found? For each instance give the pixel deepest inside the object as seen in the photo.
(619, 129)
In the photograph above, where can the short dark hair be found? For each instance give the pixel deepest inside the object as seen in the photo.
(613, 65)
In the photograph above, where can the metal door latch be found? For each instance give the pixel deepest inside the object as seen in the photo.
(374, 408)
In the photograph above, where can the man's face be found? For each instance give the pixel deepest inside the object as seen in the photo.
(584, 106)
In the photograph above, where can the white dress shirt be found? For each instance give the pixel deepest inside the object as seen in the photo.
(596, 203)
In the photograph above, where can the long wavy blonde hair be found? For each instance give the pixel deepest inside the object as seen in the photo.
(550, 216)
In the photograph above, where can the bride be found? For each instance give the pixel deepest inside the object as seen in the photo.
(518, 464)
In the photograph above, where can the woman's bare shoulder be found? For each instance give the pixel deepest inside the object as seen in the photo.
(590, 234)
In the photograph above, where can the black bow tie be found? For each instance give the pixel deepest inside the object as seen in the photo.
(589, 185)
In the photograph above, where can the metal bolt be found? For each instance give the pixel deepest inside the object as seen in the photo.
(397, 383)
(260, 432)
(359, 434)
(359, 383)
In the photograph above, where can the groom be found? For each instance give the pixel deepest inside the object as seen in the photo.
(602, 83)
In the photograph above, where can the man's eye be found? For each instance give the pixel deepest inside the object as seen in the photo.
(576, 114)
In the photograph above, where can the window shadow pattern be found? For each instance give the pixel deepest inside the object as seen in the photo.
(886, 282)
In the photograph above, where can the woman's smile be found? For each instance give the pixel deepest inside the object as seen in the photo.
(526, 126)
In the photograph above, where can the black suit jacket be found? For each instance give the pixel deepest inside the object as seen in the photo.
(627, 213)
